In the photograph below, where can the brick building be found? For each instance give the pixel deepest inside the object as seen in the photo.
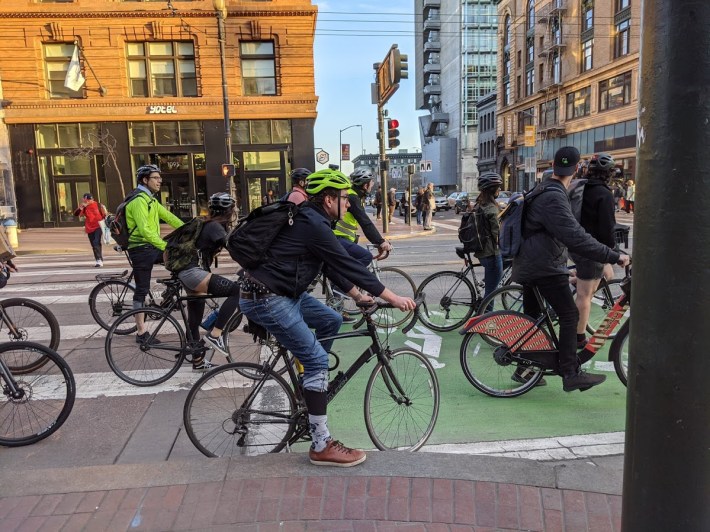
(153, 93)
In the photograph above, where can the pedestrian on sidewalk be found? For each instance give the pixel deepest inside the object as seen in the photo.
(428, 206)
(377, 202)
(630, 196)
(418, 203)
(391, 202)
(93, 213)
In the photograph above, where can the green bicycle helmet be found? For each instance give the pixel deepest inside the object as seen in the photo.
(326, 178)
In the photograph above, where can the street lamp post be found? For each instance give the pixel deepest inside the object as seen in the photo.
(340, 142)
(221, 11)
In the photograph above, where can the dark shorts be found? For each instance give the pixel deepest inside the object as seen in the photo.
(588, 270)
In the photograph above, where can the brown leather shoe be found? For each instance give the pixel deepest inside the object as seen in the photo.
(337, 455)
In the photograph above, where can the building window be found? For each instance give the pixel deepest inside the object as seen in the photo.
(67, 135)
(159, 69)
(615, 92)
(258, 68)
(56, 62)
(579, 103)
(587, 15)
(556, 69)
(506, 31)
(531, 15)
(530, 50)
(548, 113)
(261, 131)
(167, 133)
(506, 64)
(526, 117)
(518, 89)
(587, 47)
(530, 82)
(621, 39)
(506, 93)
(622, 4)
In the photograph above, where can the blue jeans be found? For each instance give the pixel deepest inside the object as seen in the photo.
(357, 252)
(143, 258)
(492, 271)
(290, 321)
(419, 217)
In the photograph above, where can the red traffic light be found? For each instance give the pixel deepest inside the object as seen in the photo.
(392, 124)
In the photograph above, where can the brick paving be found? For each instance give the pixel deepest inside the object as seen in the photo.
(332, 504)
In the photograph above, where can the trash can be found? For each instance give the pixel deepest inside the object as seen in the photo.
(11, 232)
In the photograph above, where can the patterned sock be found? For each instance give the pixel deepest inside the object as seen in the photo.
(318, 427)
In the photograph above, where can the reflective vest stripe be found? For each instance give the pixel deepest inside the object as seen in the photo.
(347, 226)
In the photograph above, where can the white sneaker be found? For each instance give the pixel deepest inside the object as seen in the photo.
(99, 264)
(217, 344)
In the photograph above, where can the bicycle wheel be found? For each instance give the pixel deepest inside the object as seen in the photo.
(489, 366)
(43, 400)
(509, 297)
(150, 362)
(450, 301)
(402, 401)
(109, 300)
(239, 409)
(26, 320)
(402, 285)
(602, 304)
(619, 352)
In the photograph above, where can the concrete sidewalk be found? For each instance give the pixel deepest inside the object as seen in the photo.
(390, 491)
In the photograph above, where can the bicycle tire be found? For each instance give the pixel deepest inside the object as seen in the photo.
(386, 416)
(32, 322)
(142, 364)
(508, 297)
(601, 306)
(487, 365)
(619, 352)
(109, 300)
(450, 301)
(217, 422)
(49, 394)
(401, 284)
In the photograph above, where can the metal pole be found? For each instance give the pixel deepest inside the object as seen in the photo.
(667, 453)
(383, 166)
(221, 36)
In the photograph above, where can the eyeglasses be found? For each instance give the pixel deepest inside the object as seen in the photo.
(155, 177)
(343, 197)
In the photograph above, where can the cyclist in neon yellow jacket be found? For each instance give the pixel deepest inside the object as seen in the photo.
(145, 247)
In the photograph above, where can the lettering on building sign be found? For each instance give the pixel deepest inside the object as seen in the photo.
(173, 165)
(162, 110)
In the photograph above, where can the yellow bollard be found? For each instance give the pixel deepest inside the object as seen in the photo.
(11, 232)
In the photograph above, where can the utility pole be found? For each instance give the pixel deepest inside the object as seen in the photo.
(667, 453)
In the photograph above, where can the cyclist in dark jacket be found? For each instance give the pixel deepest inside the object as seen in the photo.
(274, 296)
(549, 230)
(598, 220)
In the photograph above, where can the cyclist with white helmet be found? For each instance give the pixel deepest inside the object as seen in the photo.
(274, 295)
(346, 228)
(145, 246)
(197, 277)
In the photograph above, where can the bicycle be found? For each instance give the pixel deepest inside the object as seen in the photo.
(453, 297)
(113, 296)
(168, 346)
(248, 409)
(393, 278)
(37, 401)
(505, 353)
(619, 352)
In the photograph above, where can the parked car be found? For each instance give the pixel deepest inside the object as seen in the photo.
(441, 203)
(503, 198)
(398, 199)
(453, 198)
(463, 200)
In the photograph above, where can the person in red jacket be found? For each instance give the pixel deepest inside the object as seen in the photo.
(92, 213)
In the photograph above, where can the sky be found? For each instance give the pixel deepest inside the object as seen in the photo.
(350, 37)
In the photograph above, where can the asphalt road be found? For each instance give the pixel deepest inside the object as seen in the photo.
(114, 422)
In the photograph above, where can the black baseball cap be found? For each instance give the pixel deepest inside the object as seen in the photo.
(88, 196)
(566, 160)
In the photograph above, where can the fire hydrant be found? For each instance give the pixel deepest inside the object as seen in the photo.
(11, 232)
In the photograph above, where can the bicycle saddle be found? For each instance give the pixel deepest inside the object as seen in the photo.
(461, 253)
(169, 281)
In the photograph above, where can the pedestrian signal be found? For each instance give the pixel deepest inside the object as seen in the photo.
(229, 170)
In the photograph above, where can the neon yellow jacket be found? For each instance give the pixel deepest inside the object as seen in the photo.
(347, 226)
(143, 215)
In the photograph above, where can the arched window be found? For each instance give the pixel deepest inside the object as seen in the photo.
(531, 14)
(506, 31)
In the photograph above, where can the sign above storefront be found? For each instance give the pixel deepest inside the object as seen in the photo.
(161, 110)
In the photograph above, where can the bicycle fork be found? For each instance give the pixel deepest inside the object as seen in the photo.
(11, 390)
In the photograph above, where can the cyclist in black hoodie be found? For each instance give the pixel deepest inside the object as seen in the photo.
(598, 220)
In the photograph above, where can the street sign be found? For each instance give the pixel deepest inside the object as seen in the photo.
(345, 152)
(530, 136)
(322, 157)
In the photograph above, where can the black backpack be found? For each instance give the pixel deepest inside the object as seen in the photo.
(181, 249)
(117, 222)
(249, 242)
(576, 197)
(475, 230)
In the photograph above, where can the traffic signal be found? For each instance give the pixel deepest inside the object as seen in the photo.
(401, 67)
(229, 170)
(392, 133)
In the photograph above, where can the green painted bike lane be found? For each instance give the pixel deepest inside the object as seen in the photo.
(467, 415)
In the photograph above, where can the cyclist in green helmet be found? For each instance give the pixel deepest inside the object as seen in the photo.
(274, 295)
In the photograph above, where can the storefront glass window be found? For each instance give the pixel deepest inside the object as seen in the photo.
(262, 160)
(166, 134)
(191, 133)
(45, 189)
(260, 132)
(47, 136)
(173, 163)
(89, 135)
(240, 132)
(281, 131)
(62, 165)
(68, 135)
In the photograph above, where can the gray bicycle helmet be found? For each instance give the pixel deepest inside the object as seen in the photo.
(220, 202)
(488, 180)
(300, 174)
(361, 176)
(145, 171)
(602, 163)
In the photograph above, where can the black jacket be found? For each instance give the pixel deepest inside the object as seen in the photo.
(363, 220)
(299, 252)
(549, 230)
(598, 212)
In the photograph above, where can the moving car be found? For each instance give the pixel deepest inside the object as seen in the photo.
(441, 202)
(454, 197)
(462, 201)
